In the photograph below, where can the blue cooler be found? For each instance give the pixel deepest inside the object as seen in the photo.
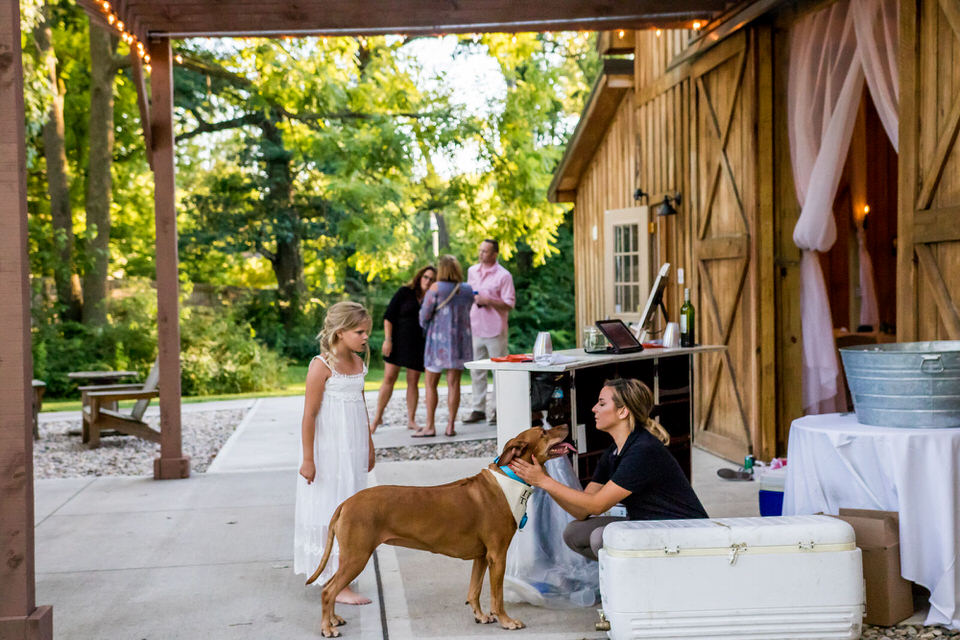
(771, 483)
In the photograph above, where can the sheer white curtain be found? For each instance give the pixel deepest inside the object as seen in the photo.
(877, 26)
(823, 93)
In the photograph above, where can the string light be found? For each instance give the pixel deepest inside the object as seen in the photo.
(659, 32)
(696, 25)
(866, 209)
(114, 21)
(620, 34)
(178, 58)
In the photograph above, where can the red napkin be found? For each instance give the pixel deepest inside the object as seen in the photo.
(515, 357)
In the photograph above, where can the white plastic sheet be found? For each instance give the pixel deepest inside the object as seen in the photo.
(541, 568)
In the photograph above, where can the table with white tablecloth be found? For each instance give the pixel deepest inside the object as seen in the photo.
(834, 462)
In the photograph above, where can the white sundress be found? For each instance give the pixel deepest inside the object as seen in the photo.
(340, 451)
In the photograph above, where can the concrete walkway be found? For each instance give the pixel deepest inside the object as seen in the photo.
(210, 557)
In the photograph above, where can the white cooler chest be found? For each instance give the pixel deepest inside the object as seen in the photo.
(778, 578)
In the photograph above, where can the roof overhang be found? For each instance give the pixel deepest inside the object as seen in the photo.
(268, 18)
(608, 91)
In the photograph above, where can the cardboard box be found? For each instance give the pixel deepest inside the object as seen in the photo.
(889, 596)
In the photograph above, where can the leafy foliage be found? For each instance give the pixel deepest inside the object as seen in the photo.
(308, 171)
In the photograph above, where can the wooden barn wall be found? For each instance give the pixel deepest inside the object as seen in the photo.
(607, 183)
(663, 148)
(928, 259)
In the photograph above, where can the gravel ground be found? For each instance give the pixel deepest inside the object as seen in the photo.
(916, 631)
(57, 454)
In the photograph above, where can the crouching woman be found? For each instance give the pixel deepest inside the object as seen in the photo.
(637, 470)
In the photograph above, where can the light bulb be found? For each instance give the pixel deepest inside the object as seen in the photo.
(696, 25)
(659, 32)
(866, 209)
(620, 34)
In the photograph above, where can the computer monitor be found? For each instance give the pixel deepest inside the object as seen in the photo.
(655, 300)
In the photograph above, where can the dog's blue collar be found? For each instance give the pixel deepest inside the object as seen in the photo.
(509, 472)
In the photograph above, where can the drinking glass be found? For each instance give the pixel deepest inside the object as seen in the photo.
(543, 345)
(671, 335)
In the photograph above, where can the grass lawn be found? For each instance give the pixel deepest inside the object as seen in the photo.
(293, 385)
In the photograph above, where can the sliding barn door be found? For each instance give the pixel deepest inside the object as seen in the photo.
(928, 244)
(728, 247)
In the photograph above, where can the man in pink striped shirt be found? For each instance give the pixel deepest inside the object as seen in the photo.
(494, 297)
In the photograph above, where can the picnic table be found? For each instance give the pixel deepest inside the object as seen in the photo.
(101, 377)
(105, 379)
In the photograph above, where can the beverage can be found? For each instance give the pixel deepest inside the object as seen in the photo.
(748, 462)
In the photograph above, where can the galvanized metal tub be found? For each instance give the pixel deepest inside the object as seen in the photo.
(905, 384)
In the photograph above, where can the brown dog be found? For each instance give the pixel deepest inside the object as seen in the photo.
(470, 519)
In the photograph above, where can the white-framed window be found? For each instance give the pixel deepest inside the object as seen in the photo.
(626, 262)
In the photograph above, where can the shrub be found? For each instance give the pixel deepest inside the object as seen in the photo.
(220, 354)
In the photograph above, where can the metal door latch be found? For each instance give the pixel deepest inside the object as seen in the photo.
(735, 551)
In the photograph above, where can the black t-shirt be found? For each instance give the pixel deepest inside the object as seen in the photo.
(659, 490)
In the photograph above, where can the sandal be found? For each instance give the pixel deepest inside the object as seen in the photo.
(420, 434)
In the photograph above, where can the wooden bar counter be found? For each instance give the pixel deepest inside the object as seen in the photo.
(580, 376)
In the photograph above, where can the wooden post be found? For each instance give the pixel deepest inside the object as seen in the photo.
(20, 617)
(172, 463)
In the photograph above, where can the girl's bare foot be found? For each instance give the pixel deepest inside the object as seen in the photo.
(349, 596)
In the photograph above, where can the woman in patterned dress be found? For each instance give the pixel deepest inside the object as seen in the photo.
(445, 315)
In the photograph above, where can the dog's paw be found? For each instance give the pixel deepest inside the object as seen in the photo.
(509, 623)
(484, 618)
(338, 621)
(330, 632)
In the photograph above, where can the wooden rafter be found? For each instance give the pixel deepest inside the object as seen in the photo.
(193, 18)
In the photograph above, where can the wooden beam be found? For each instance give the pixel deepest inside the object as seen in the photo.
(907, 187)
(722, 247)
(143, 102)
(20, 618)
(189, 18)
(938, 288)
(937, 225)
(172, 463)
(612, 42)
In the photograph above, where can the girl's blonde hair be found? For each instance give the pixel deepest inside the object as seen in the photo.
(638, 399)
(448, 269)
(342, 316)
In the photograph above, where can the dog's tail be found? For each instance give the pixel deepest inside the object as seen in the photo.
(326, 552)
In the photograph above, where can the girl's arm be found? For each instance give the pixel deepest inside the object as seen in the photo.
(595, 500)
(317, 376)
(371, 456)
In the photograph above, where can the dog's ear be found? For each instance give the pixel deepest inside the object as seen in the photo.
(513, 449)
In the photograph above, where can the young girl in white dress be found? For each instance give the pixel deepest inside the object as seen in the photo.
(336, 447)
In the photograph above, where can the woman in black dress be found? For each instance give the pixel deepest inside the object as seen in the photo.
(403, 344)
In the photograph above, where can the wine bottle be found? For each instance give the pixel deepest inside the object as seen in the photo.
(687, 321)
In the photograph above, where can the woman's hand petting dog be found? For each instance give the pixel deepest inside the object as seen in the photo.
(531, 473)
